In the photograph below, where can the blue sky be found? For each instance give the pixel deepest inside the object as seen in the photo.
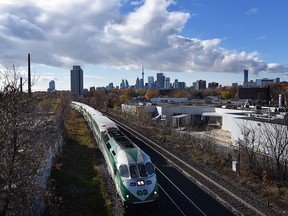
(112, 39)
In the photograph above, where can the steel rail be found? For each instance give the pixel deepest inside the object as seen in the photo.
(243, 202)
(171, 200)
(181, 192)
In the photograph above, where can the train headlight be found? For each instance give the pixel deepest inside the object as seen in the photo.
(155, 193)
(140, 183)
(127, 196)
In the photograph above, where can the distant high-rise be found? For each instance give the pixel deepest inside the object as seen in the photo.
(137, 85)
(76, 80)
(122, 84)
(182, 85)
(51, 86)
(213, 85)
(200, 84)
(245, 76)
(160, 80)
(167, 83)
(176, 84)
(110, 86)
(126, 84)
(150, 82)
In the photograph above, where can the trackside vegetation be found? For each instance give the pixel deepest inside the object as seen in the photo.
(76, 178)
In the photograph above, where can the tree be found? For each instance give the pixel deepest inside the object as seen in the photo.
(226, 95)
(249, 144)
(266, 144)
(179, 93)
(229, 92)
(140, 92)
(28, 140)
(151, 93)
(275, 142)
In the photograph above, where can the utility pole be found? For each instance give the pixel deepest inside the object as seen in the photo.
(29, 75)
(21, 83)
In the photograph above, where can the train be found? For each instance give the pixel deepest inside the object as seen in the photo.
(130, 168)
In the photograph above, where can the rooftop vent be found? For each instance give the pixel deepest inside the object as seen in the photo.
(120, 138)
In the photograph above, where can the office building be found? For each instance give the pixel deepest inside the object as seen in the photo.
(213, 85)
(51, 86)
(265, 82)
(150, 82)
(176, 84)
(160, 80)
(76, 76)
(245, 78)
(167, 83)
(122, 84)
(182, 85)
(200, 84)
(137, 85)
(110, 86)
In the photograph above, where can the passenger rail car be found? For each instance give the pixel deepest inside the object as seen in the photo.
(130, 168)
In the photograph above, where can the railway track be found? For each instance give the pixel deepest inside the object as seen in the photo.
(231, 200)
(186, 206)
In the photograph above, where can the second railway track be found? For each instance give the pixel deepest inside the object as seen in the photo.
(230, 199)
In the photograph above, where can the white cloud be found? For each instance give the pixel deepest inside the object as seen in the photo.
(61, 33)
(262, 37)
(274, 67)
(252, 11)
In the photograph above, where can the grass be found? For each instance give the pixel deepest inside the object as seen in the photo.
(77, 179)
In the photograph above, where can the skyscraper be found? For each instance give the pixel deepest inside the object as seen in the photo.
(160, 80)
(122, 84)
(245, 76)
(76, 80)
(167, 83)
(150, 82)
(51, 86)
(176, 84)
(137, 85)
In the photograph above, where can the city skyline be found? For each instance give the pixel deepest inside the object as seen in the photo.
(112, 40)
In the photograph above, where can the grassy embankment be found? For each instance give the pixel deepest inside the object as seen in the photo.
(78, 181)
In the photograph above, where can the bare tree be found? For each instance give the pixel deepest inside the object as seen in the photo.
(249, 144)
(25, 149)
(275, 142)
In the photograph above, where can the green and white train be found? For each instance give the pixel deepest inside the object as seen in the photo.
(130, 168)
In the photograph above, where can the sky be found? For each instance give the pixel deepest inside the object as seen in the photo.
(187, 40)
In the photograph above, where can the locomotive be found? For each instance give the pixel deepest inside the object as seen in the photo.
(130, 167)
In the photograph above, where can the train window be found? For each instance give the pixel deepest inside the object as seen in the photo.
(142, 170)
(108, 145)
(113, 153)
(123, 170)
(105, 138)
(150, 168)
(134, 171)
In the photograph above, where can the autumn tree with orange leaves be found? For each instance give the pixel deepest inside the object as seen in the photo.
(151, 93)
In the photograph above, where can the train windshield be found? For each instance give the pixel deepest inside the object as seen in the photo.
(150, 168)
(142, 170)
(134, 171)
(123, 170)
